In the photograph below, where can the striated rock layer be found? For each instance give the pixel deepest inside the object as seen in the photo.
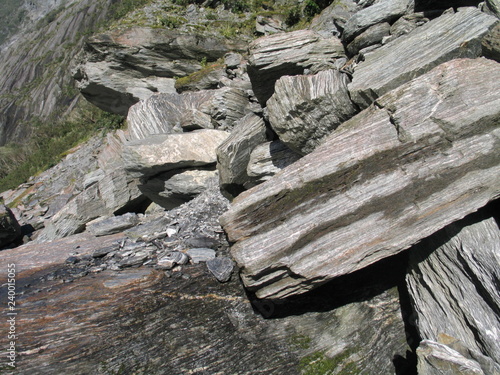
(430, 148)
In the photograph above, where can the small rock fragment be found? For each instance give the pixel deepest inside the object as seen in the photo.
(201, 254)
(221, 268)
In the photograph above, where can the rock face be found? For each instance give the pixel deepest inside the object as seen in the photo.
(428, 147)
(447, 37)
(289, 54)
(305, 109)
(10, 230)
(443, 285)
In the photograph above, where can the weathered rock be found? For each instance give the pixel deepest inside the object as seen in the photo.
(165, 152)
(428, 148)
(221, 268)
(227, 106)
(268, 159)
(491, 44)
(289, 54)
(207, 78)
(373, 35)
(165, 113)
(437, 359)
(233, 154)
(172, 259)
(334, 17)
(172, 188)
(305, 109)
(112, 225)
(453, 285)
(493, 7)
(447, 37)
(381, 11)
(10, 230)
(201, 254)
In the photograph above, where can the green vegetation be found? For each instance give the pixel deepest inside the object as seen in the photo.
(301, 341)
(182, 82)
(121, 8)
(319, 364)
(49, 141)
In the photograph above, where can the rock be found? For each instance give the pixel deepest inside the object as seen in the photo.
(165, 152)
(221, 268)
(408, 23)
(447, 37)
(269, 25)
(428, 148)
(453, 285)
(172, 188)
(373, 35)
(437, 359)
(111, 225)
(10, 230)
(289, 54)
(228, 105)
(103, 251)
(233, 154)
(491, 44)
(201, 254)
(493, 7)
(165, 113)
(381, 11)
(172, 259)
(207, 78)
(334, 17)
(233, 60)
(305, 109)
(268, 159)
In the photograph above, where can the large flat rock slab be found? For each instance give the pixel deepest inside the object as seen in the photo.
(423, 156)
(447, 37)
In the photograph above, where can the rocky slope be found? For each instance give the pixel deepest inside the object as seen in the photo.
(317, 201)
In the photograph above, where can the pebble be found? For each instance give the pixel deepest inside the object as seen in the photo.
(201, 254)
(172, 259)
(221, 268)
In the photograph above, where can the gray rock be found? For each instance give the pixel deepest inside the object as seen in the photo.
(103, 251)
(430, 153)
(207, 78)
(173, 188)
(165, 152)
(373, 35)
(334, 17)
(491, 44)
(201, 254)
(454, 289)
(233, 154)
(305, 109)
(381, 11)
(447, 37)
(111, 225)
(493, 7)
(268, 159)
(172, 259)
(233, 60)
(438, 359)
(221, 268)
(228, 105)
(269, 25)
(408, 23)
(289, 54)
(10, 230)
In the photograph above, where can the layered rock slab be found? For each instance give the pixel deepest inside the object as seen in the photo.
(421, 157)
(447, 37)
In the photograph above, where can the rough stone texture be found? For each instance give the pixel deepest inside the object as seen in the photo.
(381, 11)
(10, 230)
(112, 225)
(438, 359)
(447, 37)
(165, 152)
(429, 148)
(126, 65)
(334, 17)
(454, 288)
(373, 35)
(270, 25)
(268, 159)
(163, 113)
(233, 154)
(289, 54)
(221, 268)
(493, 7)
(172, 188)
(305, 109)
(491, 44)
(227, 106)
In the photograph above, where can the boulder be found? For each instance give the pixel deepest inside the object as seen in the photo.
(381, 11)
(373, 35)
(164, 152)
(268, 159)
(290, 53)
(305, 109)
(228, 105)
(491, 44)
(233, 154)
(423, 156)
(111, 225)
(334, 17)
(452, 281)
(172, 188)
(453, 35)
(438, 359)
(270, 25)
(10, 230)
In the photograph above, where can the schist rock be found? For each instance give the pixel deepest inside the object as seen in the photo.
(423, 156)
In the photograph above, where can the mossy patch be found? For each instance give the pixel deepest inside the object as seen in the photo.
(182, 83)
(318, 363)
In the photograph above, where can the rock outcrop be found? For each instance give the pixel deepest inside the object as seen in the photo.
(428, 147)
(10, 230)
(451, 36)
